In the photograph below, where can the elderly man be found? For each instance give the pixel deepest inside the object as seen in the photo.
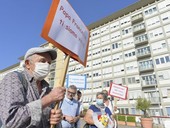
(70, 108)
(25, 97)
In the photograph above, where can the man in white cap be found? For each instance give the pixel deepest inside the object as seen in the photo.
(25, 97)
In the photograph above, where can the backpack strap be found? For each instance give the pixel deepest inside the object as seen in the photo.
(23, 80)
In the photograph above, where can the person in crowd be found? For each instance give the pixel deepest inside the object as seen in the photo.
(79, 95)
(98, 115)
(80, 109)
(26, 98)
(108, 101)
(70, 108)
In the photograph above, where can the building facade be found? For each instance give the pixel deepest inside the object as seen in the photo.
(130, 47)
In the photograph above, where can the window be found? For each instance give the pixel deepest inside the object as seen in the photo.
(162, 60)
(118, 69)
(165, 17)
(114, 26)
(168, 111)
(163, 5)
(158, 46)
(95, 33)
(133, 110)
(164, 75)
(106, 60)
(167, 29)
(107, 83)
(125, 21)
(105, 39)
(128, 42)
(115, 35)
(130, 54)
(167, 58)
(157, 61)
(131, 80)
(150, 11)
(141, 38)
(114, 46)
(104, 30)
(123, 110)
(117, 57)
(155, 34)
(126, 31)
(149, 80)
(96, 42)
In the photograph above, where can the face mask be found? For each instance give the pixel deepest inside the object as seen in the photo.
(41, 70)
(99, 102)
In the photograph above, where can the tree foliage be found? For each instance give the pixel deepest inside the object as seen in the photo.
(143, 104)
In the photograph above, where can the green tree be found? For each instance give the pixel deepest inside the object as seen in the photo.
(143, 104)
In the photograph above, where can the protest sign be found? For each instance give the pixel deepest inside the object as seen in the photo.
(65, 30)
(118, 91)
(78, 80)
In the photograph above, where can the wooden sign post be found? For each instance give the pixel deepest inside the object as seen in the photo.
(65, 30)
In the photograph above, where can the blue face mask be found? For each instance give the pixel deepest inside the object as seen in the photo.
(99, 102)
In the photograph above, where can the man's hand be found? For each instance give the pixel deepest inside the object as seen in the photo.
(56, 95)
(55, 116)
(70, 119)
(76, 119)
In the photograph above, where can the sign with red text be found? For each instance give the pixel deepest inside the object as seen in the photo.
(65, 30)
(118, 91)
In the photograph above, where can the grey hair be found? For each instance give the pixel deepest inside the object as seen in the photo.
(28, 58)
(73, 87)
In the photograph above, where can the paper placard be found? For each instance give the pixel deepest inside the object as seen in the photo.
(65, 30)
(78, 80)
(118, 91)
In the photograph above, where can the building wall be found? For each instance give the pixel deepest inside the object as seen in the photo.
(132, 50)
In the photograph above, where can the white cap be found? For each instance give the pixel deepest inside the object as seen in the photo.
(35, 50)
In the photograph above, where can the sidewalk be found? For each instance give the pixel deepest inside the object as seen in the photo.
(124, 126)
(119, 126)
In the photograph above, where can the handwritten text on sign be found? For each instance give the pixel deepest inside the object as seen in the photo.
(69, 31)
(118, 91)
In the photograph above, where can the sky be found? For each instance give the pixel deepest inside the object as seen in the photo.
(21, 22)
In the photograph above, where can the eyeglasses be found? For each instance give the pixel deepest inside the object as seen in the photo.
(72, 93)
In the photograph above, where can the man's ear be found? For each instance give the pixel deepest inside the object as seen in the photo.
(27, 64)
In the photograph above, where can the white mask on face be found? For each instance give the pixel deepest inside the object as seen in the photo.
(41, 70)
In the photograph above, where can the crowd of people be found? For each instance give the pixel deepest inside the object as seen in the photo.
(27, 101)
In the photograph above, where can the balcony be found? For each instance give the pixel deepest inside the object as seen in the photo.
(154, 100)
(137, 18)
(148, 84)
(139, 28)
(143, 52)
(141, 39)
(146, 68)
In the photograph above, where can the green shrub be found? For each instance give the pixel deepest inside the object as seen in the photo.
(120, 117)
(131, 119)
